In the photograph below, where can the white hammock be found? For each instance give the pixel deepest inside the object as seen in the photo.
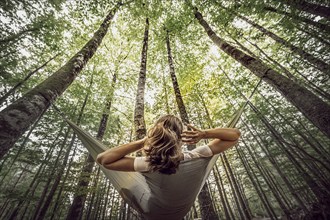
(155, 195)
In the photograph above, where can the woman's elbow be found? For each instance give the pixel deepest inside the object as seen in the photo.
(99, 159)
(105, 159)
(237, 133)
(102, 159)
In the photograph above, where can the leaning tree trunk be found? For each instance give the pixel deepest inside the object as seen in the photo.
(139, 123)
(40, 214)
(316, 110)
(76, 208)
(20, 83)
(17, 117)
(16, 37)
(312, 8)
(204, 197)
(322, 27)
(178, 96)
(256, 183)
(308, 82)
(319, 64)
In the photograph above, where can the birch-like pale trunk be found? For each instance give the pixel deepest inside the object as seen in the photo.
(20, 83)
(204, 197)
(20, 115)
(321, 26)
(318, 63)
(309, 7)
(139, 123)
(314, 108)
(77, 206)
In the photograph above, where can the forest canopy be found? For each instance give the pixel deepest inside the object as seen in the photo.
(114, 67)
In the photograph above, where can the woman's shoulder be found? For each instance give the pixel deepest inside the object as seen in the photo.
(198, 152)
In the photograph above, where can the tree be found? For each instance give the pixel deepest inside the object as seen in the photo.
(17, 117)
(76, 208)
(319, 64)
(312, 8)
(204, 197)
(139, 123)
(309, 104)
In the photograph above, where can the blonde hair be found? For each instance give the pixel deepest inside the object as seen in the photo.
(163, 144)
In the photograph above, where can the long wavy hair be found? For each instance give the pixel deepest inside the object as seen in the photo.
(163, 144)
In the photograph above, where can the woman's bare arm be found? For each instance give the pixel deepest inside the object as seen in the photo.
(224, 138)
(116, 159)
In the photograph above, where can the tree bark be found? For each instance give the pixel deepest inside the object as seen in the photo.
(76, 208)
(17, 117)
(40, 214)
(204, 197)
(308, 83)
(322, 27)
(309, 104)
(312, 8)
(17, 36)
(12, 90)
(319, 64)
(32, 185)
(178, 96)
(21, 148)
(139, 123)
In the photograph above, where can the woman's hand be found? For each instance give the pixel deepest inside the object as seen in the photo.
(193, 136)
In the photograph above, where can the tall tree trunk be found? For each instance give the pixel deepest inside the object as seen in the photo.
(322, 27)
(106, 198)
(312, 8)
(165, 94)
(21, 148)
(309, 104)
(139, 123)
(76, 208)
(12, 90)
(319, 64)
(273, 161)
(275, 164)
(92, 202)
(204, 197)
(178, 96)
(321, 193)
(256, 183)
(17, 36)
(17, 117)
(32, 185)
(225, 194)
(59, 196)
(220, 191)
(308, 83)
(42, 212)
(312, 34)
(282, 201)
(240, 201)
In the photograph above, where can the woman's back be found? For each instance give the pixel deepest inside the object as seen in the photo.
(171, 196)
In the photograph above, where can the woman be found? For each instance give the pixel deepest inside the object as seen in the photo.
(162, 147)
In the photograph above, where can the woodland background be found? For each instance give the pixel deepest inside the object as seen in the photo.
(279, 169)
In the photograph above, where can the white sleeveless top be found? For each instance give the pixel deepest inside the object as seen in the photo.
(141, 165)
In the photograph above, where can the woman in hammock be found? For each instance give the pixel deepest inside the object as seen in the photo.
(162, 147)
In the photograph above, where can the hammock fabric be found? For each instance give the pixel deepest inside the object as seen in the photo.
(155, 195)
